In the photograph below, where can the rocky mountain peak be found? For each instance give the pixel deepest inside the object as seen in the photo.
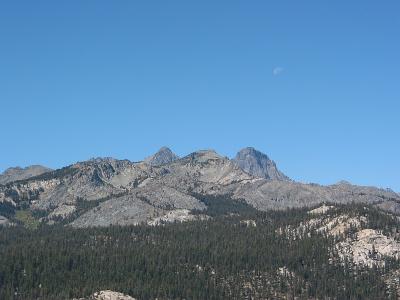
(18, 173)
(161, 157)
(258, 164)
(204, 155)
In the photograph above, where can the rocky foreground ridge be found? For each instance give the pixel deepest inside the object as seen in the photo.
(105, 191)
(108, 295)
(359, 241)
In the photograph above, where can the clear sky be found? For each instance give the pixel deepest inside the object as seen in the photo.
(314, 84)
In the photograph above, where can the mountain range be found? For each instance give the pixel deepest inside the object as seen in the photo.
(18, 173)
(165, 187)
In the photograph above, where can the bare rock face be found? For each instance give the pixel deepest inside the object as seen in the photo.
(258, 164)
(124, 210)
(208, 167)
(369, 248)
(17, 173)
(162, 157)
(326, 219)
(108, 295)
(62, 211)
(162, 196)
(320, 210)
(177, 215)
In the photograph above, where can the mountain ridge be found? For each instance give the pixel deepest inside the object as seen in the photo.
(105, 191)
(17, 173)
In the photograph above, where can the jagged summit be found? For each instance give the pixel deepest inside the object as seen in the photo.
(18, 173)
(258, 164)
(203, 155)
(161, 157)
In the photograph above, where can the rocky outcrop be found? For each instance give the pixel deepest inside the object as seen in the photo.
(108, 295)
(369, 248)
(63, 211)
(258, 164)
(17, 173)
(320, 210)
(162, 157)
(177, 215)
(327, 220)
(248, 223)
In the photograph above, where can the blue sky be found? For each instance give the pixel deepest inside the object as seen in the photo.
(314, 84)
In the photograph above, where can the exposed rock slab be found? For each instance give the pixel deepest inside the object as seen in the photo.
(108, 295)
(177, 215)
(320, 210)
(125, 210)
(369, 248)
(165, 197)
(62, 211)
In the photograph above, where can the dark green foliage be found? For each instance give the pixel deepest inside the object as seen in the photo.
(224, 205)
(7, 210)
(214, 259)
(25, 218)
(39, 213)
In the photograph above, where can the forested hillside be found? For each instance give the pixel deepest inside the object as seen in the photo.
(239, 253)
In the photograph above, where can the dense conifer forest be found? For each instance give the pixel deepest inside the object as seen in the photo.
(221, 258)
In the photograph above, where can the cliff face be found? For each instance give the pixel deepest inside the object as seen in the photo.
(258, 164)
